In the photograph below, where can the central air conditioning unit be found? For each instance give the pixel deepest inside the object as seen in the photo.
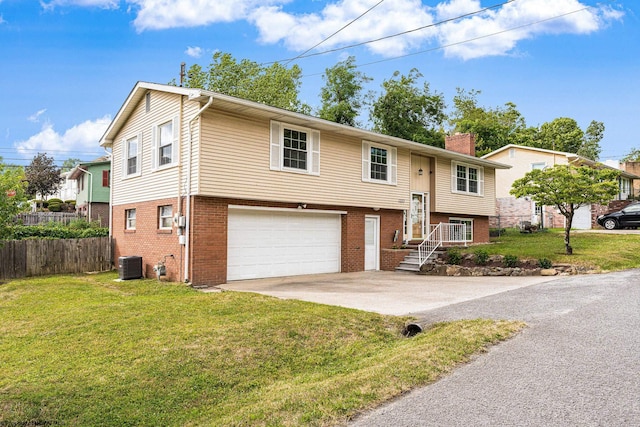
(129, 267)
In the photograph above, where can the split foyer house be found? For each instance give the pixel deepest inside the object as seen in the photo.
(224, 189)
(523, 159)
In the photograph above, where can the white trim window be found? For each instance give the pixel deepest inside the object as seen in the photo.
(130, 219)
(132, 156)
(294, 149)
(538, 165)
(456, 237)
(165, 217)
(467, 179)
(379, 163)
(165, 144)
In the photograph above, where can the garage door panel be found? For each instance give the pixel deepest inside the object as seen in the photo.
(272, 244)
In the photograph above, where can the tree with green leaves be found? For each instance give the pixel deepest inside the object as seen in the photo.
(42, 175)
(568, 187)
(274, 85)
(69, 164)
(12, 196)
(341, 94)
(632, 156)
(493, 128)
(407, 111)
(564, 134)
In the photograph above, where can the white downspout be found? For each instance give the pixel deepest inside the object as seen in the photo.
(187, 231)
(90, 189)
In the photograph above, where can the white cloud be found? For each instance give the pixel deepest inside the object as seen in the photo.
(300, 32)
(194, 51)
(103, 4)
(83, 137)
(492, 32)
(497, 31)
(35, 118)
(163, 14)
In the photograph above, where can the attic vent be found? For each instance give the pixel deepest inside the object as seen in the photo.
(147, 101)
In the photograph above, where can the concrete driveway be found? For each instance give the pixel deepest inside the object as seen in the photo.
(383, 292)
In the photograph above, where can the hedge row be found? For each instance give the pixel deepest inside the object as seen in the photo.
(75, 230)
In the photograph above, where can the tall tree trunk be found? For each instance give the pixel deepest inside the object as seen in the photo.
(567, 230)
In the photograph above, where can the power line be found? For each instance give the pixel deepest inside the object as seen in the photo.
(463, 41)
(336, 32)
(302, 55)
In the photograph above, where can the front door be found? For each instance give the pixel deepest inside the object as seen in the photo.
(418, 221)
(371, 242)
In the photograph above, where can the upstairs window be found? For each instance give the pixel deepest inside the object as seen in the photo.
(294, 149)
(467, 179)
(379, 163)
(131, 156)
(165, 144)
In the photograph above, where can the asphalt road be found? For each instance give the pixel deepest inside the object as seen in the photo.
(577, 364)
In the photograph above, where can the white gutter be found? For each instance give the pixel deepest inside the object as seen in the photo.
(188, 184)
(90, 189)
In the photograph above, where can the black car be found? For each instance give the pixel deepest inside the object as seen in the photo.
(627, 217)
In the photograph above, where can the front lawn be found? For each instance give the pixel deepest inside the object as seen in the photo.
(606, 252)
(90, 351)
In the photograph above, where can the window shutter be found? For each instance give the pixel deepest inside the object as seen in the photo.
(481, 181)
(315, 153)
(175, 144)
(105, 178)
(154, 148)
(139, 159)
(393, 166)
(275, 146)
(124, 158)
(454, 177)
(366, 161)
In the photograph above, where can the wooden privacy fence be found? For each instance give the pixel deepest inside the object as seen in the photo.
(24, 258)
(36, 218)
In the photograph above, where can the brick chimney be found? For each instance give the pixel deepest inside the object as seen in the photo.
(464, 143)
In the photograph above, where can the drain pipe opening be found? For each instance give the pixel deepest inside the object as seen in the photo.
(411, 329)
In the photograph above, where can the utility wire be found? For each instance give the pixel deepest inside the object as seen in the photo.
(336, 32)
(464, 41)
(304, 54)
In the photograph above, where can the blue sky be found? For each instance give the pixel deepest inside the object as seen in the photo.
(67, 65)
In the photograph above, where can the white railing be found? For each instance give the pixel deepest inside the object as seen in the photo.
(452, 233)
(441, 233)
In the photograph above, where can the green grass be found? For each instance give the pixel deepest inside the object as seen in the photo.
(90, 351)
(606, 252)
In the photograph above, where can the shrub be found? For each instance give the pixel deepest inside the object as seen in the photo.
(481, 257)
(454, 256)
(510, 261)
(545, 263)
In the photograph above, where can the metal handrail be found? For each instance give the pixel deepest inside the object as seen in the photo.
(440, 233)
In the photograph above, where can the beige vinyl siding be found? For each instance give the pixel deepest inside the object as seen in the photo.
(150, 185)
(462, 205)
(234, 160)
(521, 164)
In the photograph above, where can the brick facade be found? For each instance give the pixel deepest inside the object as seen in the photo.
(480, 224)
(147, 240)
(208, 246)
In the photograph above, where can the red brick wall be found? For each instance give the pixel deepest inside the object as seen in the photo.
(391, 258)
(464, 143)
(480, 224)
(147, 240)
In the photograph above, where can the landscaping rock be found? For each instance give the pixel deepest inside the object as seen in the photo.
(548, 272)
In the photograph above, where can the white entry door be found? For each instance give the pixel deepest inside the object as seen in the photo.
(372, 242)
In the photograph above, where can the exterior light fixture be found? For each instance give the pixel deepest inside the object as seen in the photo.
(420, 171)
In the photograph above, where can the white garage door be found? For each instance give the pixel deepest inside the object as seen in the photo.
(582, 218)
(264, 243)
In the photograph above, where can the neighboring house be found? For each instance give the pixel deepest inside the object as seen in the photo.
(68, 188)
(93, 184)
(522, 159)
(224, 189)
